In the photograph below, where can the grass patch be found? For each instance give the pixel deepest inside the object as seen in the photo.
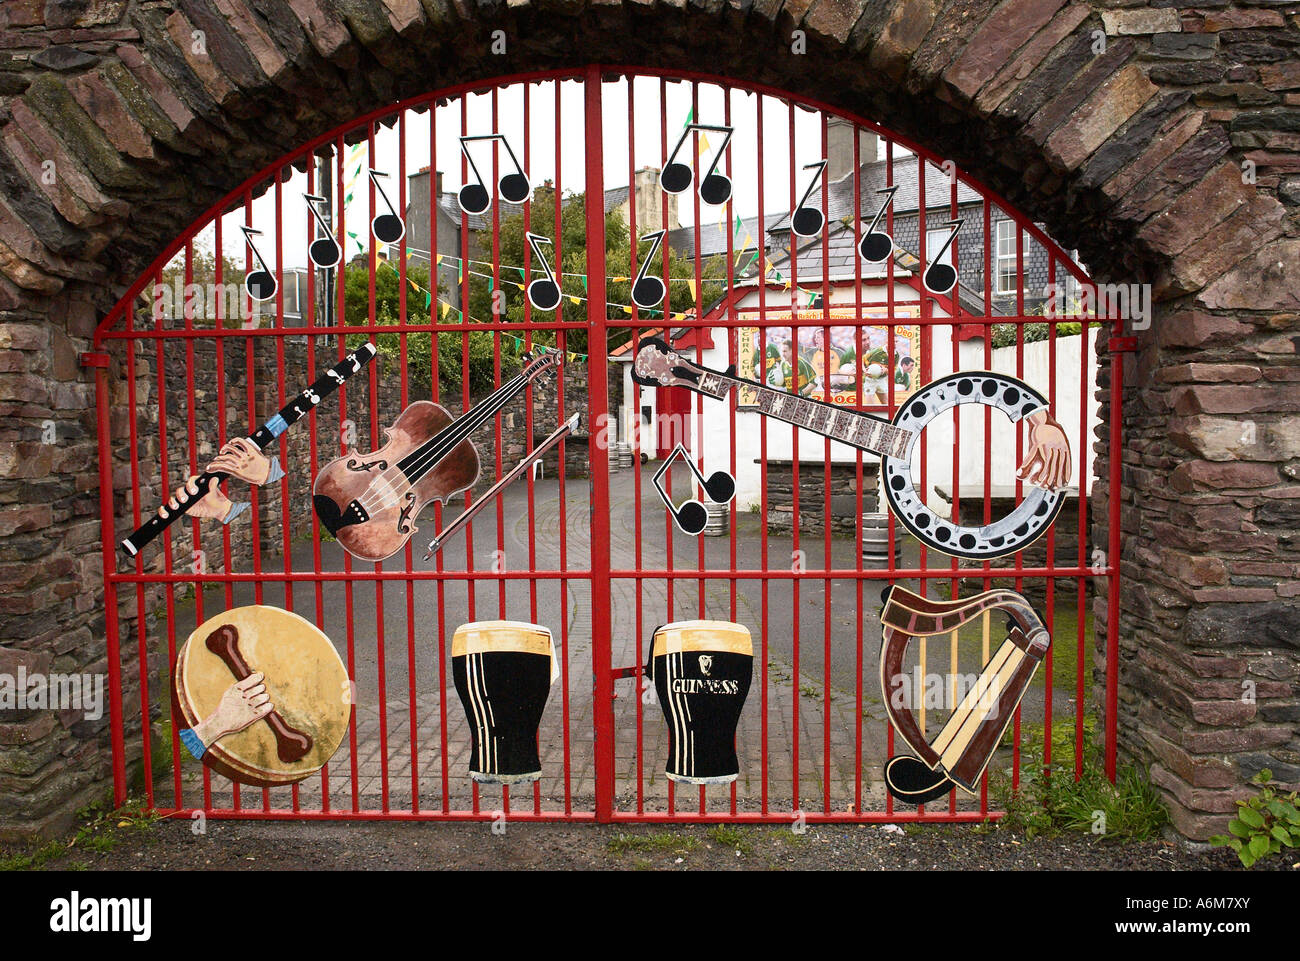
(1052, 802)
(668, 843)
(730, 836)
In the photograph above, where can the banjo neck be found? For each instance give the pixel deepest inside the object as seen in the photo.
(853, 427)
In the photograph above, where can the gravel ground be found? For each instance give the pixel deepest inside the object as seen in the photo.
(227, 845)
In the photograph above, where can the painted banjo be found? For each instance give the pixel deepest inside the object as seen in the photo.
(1046, 468)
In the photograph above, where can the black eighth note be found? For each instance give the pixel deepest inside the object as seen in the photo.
(649, 291)
(513, 187)
(808, 221)
(260, 284)
(324, 250)
(876, 245)
(676, 177)
(544, 292)
(939, 277)
(388, 228)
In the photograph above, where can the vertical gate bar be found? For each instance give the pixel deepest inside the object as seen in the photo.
(634, 440)
(494, 287)
(954, 328)
(733, 357)
(1113, 545)
(286, 551)
(1051, 542)
(794, 470)
(250, 344)
(309, 314)
(859, 478)
(403, 355)
(108, 541)
(340, 340)
(528, 400)
(133, 435)
(562, 341)
(196, 533)
(891, 359)
(696, 404)
(435, 273)
(988, 441)
(826, 486)
(169, 590)
(381, 673)
(464, 370)
(762, 466)
(1081, 586)
(598, 394)
(927, 348)
(664, 404)
(1020, 556)
(219, 345)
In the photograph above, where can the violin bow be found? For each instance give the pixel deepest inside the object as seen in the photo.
(515, 473)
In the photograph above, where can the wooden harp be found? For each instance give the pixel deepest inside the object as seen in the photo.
(961, 751)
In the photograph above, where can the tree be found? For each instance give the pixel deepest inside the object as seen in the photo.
(510, 297)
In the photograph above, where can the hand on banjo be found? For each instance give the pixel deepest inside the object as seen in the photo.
(212, 504)
(1047, 464)
(241, 458)
(244, 703)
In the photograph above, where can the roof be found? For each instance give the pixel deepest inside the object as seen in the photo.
(714, 241)
(873, 177)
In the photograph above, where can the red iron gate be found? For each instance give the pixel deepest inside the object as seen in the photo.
(585, 547)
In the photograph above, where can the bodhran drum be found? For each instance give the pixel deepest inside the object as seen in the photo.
(701, 672)
(304, 676)
(503, 671)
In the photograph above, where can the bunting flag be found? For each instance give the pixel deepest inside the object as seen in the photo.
(691, 285)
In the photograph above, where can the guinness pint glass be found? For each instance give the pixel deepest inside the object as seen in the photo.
(701, 672)
(503, 672)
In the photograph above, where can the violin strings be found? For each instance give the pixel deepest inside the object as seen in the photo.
(437, 447)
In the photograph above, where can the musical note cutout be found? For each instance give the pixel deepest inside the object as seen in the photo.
(715, 188)
(691, 517)
(324, 251)
(260, 284)
(388, 228)
(649, 291)
(876, 245)
(940, 277)
(512, 187)
(809, 221)
(544, 292)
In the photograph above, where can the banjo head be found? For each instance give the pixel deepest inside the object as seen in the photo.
(1032, 516)
(305, 677)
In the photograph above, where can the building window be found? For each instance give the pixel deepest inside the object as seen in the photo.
(1005, 258)
(935, 238)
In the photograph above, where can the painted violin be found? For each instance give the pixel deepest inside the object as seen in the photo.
(369, 502)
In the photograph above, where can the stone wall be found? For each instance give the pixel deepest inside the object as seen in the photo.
(812, 495)
(1160, 139)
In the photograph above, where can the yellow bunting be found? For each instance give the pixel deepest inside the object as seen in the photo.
(691, 285)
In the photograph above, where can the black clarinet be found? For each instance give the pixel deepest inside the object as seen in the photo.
(290, 414)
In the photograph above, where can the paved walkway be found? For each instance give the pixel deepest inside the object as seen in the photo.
(558, 530)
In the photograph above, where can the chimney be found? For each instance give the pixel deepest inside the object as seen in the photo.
(437, 190)
(649, 199)
(839, 147)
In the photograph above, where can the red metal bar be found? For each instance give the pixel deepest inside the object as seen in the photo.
(598, 394)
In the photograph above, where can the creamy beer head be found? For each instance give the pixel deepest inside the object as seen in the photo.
(503, 672)
(701, 672)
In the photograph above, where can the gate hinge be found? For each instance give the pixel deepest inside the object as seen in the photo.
(94, 359)
(1122, 345)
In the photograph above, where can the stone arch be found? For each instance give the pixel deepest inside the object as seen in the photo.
(1125, 130)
